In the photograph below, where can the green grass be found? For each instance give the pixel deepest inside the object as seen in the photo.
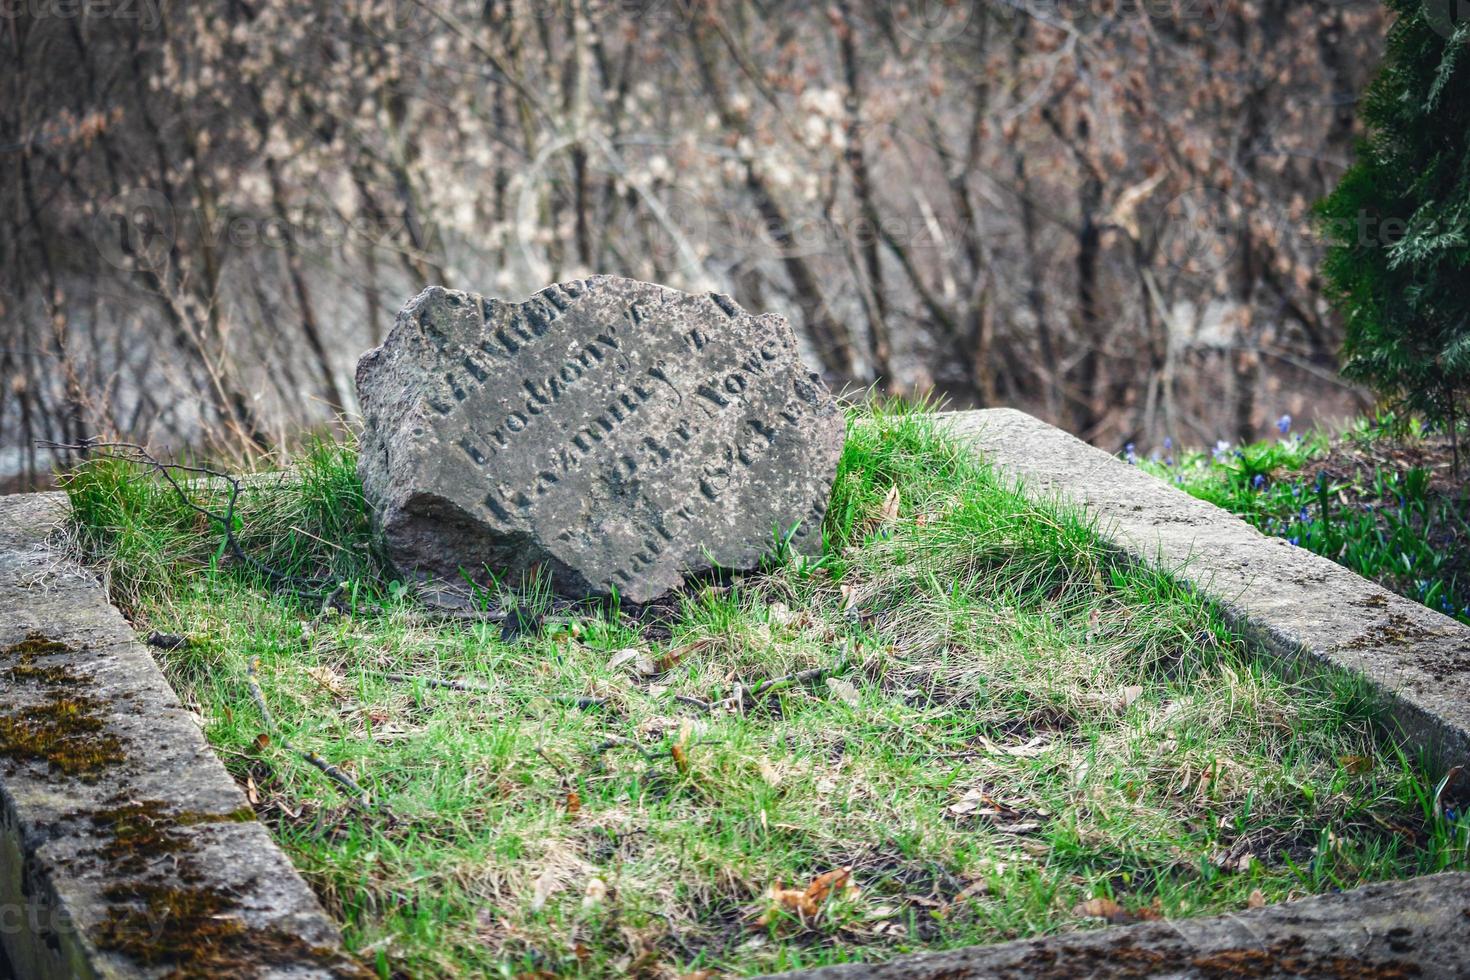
(1015, 724)
(1378, 499)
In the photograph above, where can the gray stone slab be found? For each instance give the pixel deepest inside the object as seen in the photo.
(126, 850)
(1305, 609)
(1418, 928)
(613, 434)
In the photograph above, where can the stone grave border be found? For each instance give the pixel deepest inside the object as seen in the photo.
(150, 814)
(57, 919)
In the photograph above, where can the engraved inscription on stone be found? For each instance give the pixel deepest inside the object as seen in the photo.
(617, 434)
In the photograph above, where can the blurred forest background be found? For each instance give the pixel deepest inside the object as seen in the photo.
(1097, 211)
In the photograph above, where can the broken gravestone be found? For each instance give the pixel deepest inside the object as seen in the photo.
(615, 434)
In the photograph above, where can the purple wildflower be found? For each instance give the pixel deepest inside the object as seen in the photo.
(1283, 424)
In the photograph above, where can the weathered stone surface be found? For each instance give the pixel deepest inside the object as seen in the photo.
(616, 433)
(126, 850)
(1418, 928)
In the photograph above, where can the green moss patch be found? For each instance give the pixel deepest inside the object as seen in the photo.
(67, 728)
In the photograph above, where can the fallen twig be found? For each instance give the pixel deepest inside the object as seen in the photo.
(469, 687)
(252, 678)
(618, 742)
(812, 675)
(694, 702)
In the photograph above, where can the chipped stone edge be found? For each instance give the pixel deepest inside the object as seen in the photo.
(59, 897)
(1311, 615)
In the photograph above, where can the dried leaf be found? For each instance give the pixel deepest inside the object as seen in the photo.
(623, 656)
(262, 742)
(825, 884)
(681, 759)
(328, 679)
(671, 659)
(1094, 620)
(889, 511)
(1355, 764)
(1128, 695)
(1101, 908)
(807, 901)
(641, 662)
(545, 885)
(252, 792)
(573, 803)
(972, 890)
(1256, 899)
(844, 690)
(593, 894)
(1030, 749)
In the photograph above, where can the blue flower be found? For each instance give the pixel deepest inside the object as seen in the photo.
(1283, 424)
(1258, 481)
(1294, 540)
(1303, 516)
(1222, 448)
(1128, 451)
(1168, 443)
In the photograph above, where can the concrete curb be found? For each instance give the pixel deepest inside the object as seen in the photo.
(126, 850)
(1308, 611)
(1393, 930)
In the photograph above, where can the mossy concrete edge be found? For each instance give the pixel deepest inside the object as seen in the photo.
(1310, 613)
(126, 850)
(1397, 929)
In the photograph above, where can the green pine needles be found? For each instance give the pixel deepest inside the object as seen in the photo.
(1398, 225)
